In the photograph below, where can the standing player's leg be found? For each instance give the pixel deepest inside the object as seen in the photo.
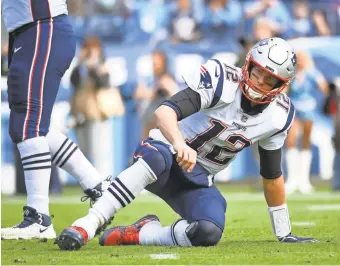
(305, 185)
(292, 158)
(34, 77)
(154, 162)
(27, 92)
(202, 211)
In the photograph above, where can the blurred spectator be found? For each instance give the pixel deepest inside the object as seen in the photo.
(330, 106)
(301, 25)
(152, 17)
(113, 7)
(111, 20)
(306, 23)
(4, 59)
(302, 88)
(274, 10)
(93, 102)
(221, 18)
(183, 26)
(263, 29)
(151, 93)
(335, 17)
(321, 23)
(76, 7)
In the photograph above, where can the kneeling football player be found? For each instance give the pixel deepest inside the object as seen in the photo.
(223, 110)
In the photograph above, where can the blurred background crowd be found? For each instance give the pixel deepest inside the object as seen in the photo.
(130, 57)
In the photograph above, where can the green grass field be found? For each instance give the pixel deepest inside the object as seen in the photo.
(247, 238)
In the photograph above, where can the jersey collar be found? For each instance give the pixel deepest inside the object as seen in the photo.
(250, 109)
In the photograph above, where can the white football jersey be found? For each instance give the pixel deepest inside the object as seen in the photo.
(17, 13)
(221, 129)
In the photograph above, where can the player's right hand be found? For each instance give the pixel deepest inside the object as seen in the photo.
(186, 156)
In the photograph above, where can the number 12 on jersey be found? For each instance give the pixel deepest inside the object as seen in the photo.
(218, 154)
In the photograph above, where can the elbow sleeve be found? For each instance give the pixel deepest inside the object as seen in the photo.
(270, 163)
(184, 103)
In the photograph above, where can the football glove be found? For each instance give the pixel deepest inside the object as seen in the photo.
(296, 239)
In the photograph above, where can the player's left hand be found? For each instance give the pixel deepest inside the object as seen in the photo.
(296, 239)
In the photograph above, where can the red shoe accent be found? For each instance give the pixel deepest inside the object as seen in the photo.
(125, 235)
(82, 232)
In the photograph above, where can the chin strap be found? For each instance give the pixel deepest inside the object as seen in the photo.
(279, 217)
(253, 94)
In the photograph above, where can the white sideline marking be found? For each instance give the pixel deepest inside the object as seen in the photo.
(163, 256)
(304, 224)
(324, 207)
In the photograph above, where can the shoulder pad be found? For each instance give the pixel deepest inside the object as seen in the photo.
(232, 76)
(282, 112)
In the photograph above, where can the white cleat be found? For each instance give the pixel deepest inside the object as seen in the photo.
(34, 225)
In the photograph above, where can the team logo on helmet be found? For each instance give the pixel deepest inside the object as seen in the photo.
(294, 59)
(264, 42)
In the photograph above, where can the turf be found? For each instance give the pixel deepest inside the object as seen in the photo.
(247, 238)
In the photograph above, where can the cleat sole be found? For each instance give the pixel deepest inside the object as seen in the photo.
(67, 243)
(69, 240)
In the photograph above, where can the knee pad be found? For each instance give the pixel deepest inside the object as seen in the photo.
(204, 233)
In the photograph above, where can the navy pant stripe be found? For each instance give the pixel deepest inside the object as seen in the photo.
(30, 81)
(41, 55)
(37, 79)
(42, 82)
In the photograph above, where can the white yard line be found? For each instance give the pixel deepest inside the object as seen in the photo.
(302, 224)
(324, 207)
(164, 256)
